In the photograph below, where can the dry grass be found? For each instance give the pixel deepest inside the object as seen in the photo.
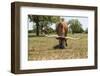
(41, 48)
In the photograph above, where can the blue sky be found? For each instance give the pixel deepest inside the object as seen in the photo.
(83, 21)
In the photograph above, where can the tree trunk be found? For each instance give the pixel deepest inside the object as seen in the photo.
(41, 29)
(37, 29)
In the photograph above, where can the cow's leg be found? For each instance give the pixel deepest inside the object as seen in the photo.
(66, 39)
(61, 43)
(66, 42)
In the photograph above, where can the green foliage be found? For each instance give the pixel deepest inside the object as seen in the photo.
(30, 31)
(43, 21)
(86, 31)
(50, 30)
(75, 26)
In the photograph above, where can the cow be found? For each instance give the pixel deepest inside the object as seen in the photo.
(62, 30)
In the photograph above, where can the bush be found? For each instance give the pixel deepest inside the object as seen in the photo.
(75, 26)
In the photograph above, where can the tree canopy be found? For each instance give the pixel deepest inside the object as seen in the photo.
(43, 21)
(75, 26)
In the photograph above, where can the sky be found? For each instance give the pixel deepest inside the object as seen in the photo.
(83, 21)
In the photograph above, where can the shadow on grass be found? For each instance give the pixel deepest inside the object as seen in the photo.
(59, 47)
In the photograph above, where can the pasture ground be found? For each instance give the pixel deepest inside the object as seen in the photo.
(41, 48)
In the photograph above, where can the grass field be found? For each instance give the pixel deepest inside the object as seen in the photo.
(41, 48)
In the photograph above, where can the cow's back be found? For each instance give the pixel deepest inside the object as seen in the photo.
(62, 29)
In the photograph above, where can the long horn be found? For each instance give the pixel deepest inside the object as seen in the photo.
(55, 36)
(72, 38)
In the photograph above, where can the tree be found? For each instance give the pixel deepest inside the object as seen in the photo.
(50, 30)
(42, 21)
(86, 31)
(75, 26)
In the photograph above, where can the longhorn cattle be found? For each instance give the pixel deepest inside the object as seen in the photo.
(62, 30)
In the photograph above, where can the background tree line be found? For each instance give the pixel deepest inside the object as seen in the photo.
(44, 22)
